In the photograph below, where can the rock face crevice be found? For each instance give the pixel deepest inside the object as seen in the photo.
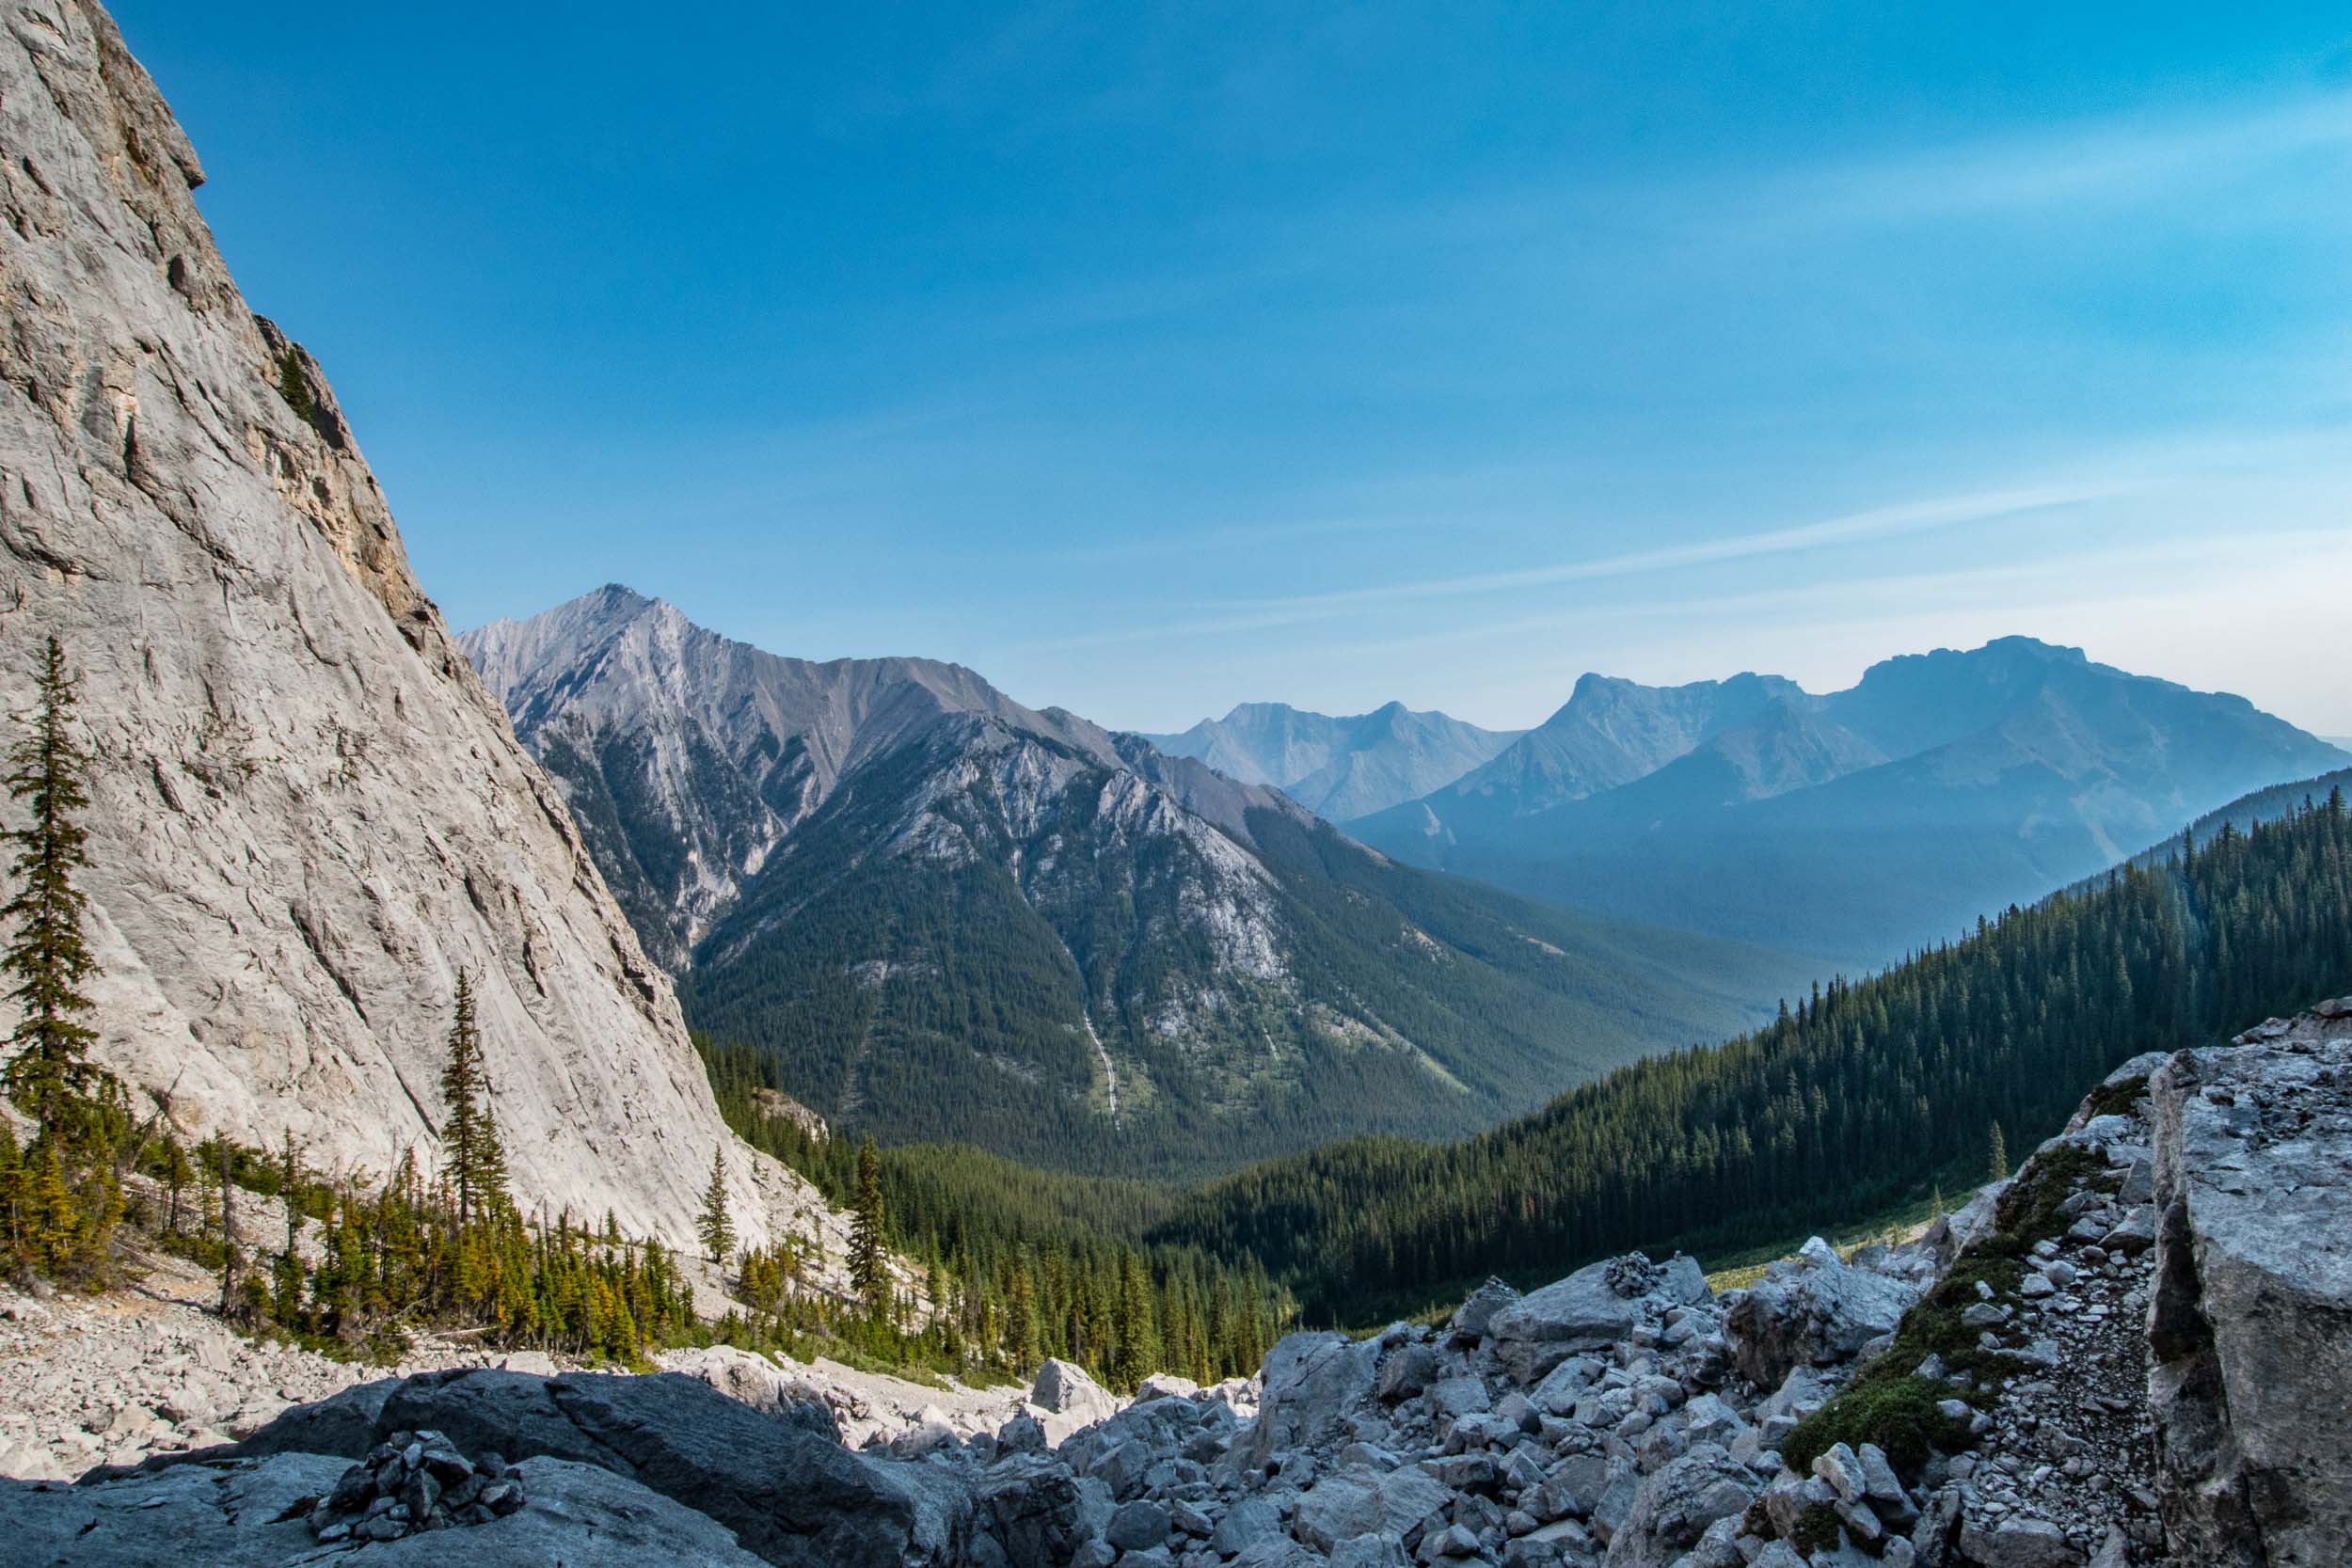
(308, 815)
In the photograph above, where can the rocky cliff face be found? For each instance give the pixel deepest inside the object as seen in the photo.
(2251, 1326)
(307, 814)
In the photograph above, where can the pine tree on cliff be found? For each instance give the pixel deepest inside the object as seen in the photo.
(715, 1227)
(477, 1160)
(49, 1074)
(868, 1272)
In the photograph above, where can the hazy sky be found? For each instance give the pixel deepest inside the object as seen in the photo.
(1147, 359)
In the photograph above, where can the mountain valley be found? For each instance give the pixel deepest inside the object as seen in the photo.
(954, 917)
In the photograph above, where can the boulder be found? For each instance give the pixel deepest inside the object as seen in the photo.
(756, 1380)
(1314, 1383)
(1813, 1310)
(1407, 1371)
(792, 1495)
(1038, 1512)
(344, 1424)
(2251, 1321)
(2019, 1543)
(1064, 1388)
(1673, 1507)
(1471, 1318)
(1594, 1307)
(250, 1513)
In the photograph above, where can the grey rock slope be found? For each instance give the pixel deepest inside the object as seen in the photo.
(1339, 768)
(945, 915)
(2130, 1399)
(1857, 825)
(308, 815)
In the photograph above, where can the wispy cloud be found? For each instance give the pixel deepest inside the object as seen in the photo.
(1878, 522)
(2120, 156)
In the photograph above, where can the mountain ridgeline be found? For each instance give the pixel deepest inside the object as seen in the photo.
(1339, 768)
(949, 916)
(1854, 826)
(1865, 1096)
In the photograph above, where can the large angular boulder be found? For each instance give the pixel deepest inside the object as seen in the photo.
(756, 1380)
(1038, 1512)
(1314, 1383)
(792, 1495)
(2252, 1322)
(1673, 1506)
(250, 1512)
(1812, 1310)
(1594, 1307)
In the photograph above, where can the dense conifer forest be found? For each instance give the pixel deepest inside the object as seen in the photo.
(1864, 1096)
(1026, 1263)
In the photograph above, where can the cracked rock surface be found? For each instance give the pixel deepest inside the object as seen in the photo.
(307, 816)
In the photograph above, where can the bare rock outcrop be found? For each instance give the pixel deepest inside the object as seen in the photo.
(308, 815)
(2251, 1322)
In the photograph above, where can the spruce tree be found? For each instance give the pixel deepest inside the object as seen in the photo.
(869, 1271)
(1998, 1162)
(477, 1160)
(49, 1074)
(715, 1227)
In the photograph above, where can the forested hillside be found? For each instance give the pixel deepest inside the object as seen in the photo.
(1866, 1094)
(946, 916)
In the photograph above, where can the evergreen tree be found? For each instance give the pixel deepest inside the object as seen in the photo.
(477, 1161)
(869, 1269)
(49, 1074)
(716, 1229)
(1996, 1164)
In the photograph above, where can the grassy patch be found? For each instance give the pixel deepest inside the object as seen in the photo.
(1887, 1403)
(1898, 1414)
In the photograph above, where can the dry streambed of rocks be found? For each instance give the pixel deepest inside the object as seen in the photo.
(2114, 1361)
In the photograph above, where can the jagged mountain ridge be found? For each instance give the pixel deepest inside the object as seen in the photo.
(1339, 768)
(307, 816)
(951, 916)
(1856, 824)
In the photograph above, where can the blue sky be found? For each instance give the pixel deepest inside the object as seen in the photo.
(1149, 359)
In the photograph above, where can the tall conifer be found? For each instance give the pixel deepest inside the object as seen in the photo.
(49, 1074)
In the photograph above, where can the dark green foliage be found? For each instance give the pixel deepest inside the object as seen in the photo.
(1026, 1263)
(49, 1074)
(2110, 1099)
(716, 1227)
(1857, 1101)
(60, 1199)
(1897, 1414)
(295, 389)
(470, 1136)
(869, 1273)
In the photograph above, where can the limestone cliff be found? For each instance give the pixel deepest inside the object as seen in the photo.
(308, 815)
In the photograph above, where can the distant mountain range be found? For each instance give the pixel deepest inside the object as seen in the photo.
(1854, 825)
(947, 916)
(1339, 768)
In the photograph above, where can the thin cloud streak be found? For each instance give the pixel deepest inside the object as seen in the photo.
(1878, 522)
